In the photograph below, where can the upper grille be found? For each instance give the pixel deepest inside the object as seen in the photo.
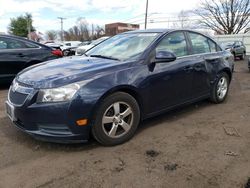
(16, 97)
(18, 93)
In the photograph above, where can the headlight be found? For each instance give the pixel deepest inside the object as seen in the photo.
(60, 94)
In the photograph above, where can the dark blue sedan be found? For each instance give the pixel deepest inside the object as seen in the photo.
(127, 78)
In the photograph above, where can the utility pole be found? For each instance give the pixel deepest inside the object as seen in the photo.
(61, 20)
(29, 28)
(92, 32)
(146, 15)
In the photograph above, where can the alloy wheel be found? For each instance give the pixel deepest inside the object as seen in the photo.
(117, 120)
(222, 88)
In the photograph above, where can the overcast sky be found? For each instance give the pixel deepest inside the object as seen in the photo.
(45, 12)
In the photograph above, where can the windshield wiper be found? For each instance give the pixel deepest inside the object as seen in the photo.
(105, 57)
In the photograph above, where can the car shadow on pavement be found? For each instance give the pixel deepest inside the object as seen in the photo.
(172, 115)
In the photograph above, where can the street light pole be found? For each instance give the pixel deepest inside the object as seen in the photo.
(146, 15)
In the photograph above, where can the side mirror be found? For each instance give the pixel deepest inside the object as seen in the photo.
(164, 56)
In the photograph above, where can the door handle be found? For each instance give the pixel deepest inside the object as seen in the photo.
(20, 55)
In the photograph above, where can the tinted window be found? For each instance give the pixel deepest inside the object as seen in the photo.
(30, 45)
(199, 43)
(8, 43)
(3, 44)
(174, 42)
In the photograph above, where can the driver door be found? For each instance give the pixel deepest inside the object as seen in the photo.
(171, 82)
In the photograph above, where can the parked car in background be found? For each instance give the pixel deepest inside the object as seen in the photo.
(82, 49)
(17, 53)
(85, 43)
(237, 48)
(53, 45)
(125, 79)
(69, 47)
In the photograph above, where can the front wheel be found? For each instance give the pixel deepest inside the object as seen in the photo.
(220, 88)
(116, 119)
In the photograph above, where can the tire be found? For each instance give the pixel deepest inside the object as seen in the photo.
(235, 58)
(218, 96)
(242, 57)
(111, 126)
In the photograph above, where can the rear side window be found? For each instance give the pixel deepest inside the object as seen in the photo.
(212, 45)
(30, 45)
(199, 43)
(174, 42)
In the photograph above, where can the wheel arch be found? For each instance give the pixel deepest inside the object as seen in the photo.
(228, 72)
(123, 88)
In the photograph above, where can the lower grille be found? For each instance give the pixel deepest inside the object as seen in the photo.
(57, 129)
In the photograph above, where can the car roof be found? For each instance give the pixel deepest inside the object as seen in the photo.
(12, 36)
(151, 31)
(161, 31)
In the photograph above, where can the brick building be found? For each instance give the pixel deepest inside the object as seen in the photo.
(115, 28)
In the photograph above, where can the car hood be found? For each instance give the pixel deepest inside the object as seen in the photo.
(64, 71)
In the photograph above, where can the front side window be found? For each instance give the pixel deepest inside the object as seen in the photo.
(8, 43)
(199, 43)
(174, 42)
(3, 44)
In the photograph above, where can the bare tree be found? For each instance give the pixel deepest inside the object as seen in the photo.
(99, 31)
(84, 29)
(51, 35)
(224, 16)
(183, 20)
(81, 31)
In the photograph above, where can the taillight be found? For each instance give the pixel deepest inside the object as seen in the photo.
(57, 53)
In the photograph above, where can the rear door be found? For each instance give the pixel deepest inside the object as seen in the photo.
(12, 56)
(206, 61)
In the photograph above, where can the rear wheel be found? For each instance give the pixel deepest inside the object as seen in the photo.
(116, 119)
(234, 55)
(242, 57)
(220, 88)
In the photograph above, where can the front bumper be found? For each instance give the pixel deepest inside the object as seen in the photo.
(50, 137)
(52, 122)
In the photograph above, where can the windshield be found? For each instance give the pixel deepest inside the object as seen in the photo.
(123, 46)
(97, 41)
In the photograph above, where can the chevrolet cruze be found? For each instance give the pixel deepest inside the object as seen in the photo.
(115, 85)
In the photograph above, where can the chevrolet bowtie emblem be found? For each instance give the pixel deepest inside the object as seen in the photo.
(15, 87)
